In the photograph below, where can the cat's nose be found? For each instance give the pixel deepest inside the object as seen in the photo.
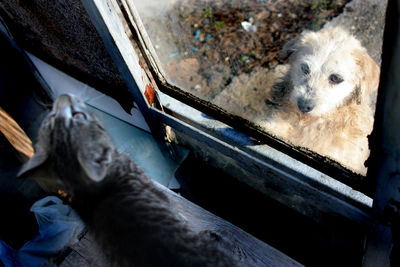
(62, 101)
(68, 100)
(63, 108)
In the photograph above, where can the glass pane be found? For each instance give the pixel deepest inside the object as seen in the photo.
(233, 54)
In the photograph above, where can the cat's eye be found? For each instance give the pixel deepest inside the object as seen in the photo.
(335, 79)
(79, 115)
(305, 68)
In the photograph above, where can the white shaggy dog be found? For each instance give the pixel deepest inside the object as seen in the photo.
(325, 101)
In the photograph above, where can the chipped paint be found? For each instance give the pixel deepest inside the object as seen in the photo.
(149, 94)
(109, 7)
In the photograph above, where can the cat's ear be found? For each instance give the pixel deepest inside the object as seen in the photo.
(38, 168)
(34, 166)
(95, 162)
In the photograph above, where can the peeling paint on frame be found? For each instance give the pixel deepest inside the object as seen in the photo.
(149, 94)
(119, 32)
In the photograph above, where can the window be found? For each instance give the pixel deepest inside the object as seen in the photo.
(274, 165)
(223, 57)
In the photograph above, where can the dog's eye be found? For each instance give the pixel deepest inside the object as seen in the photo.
(335, 79)
(305, 68)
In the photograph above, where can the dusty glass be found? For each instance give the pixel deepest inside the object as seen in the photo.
(229, 52)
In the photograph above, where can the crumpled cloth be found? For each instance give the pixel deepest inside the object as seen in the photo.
(59, 228)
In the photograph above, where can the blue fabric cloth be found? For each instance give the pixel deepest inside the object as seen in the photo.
(59, 227)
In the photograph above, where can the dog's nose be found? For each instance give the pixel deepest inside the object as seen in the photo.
(305, 105)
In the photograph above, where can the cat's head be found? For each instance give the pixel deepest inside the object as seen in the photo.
(73, 148)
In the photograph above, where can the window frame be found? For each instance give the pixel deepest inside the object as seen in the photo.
(315, 160)
(287, 175)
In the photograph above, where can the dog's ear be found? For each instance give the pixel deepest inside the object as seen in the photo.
(368, 76)
(289, 48)
(296, 44)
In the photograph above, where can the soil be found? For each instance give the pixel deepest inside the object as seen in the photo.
(213, 47)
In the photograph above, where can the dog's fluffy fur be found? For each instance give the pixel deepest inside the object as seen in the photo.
(325, 101)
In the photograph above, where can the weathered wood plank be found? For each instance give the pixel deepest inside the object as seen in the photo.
(384, 163)
(249, 250)
(85, 254)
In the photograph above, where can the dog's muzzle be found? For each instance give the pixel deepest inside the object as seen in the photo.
(305, 105)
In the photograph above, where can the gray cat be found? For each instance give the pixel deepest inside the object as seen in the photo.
(130, 217)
